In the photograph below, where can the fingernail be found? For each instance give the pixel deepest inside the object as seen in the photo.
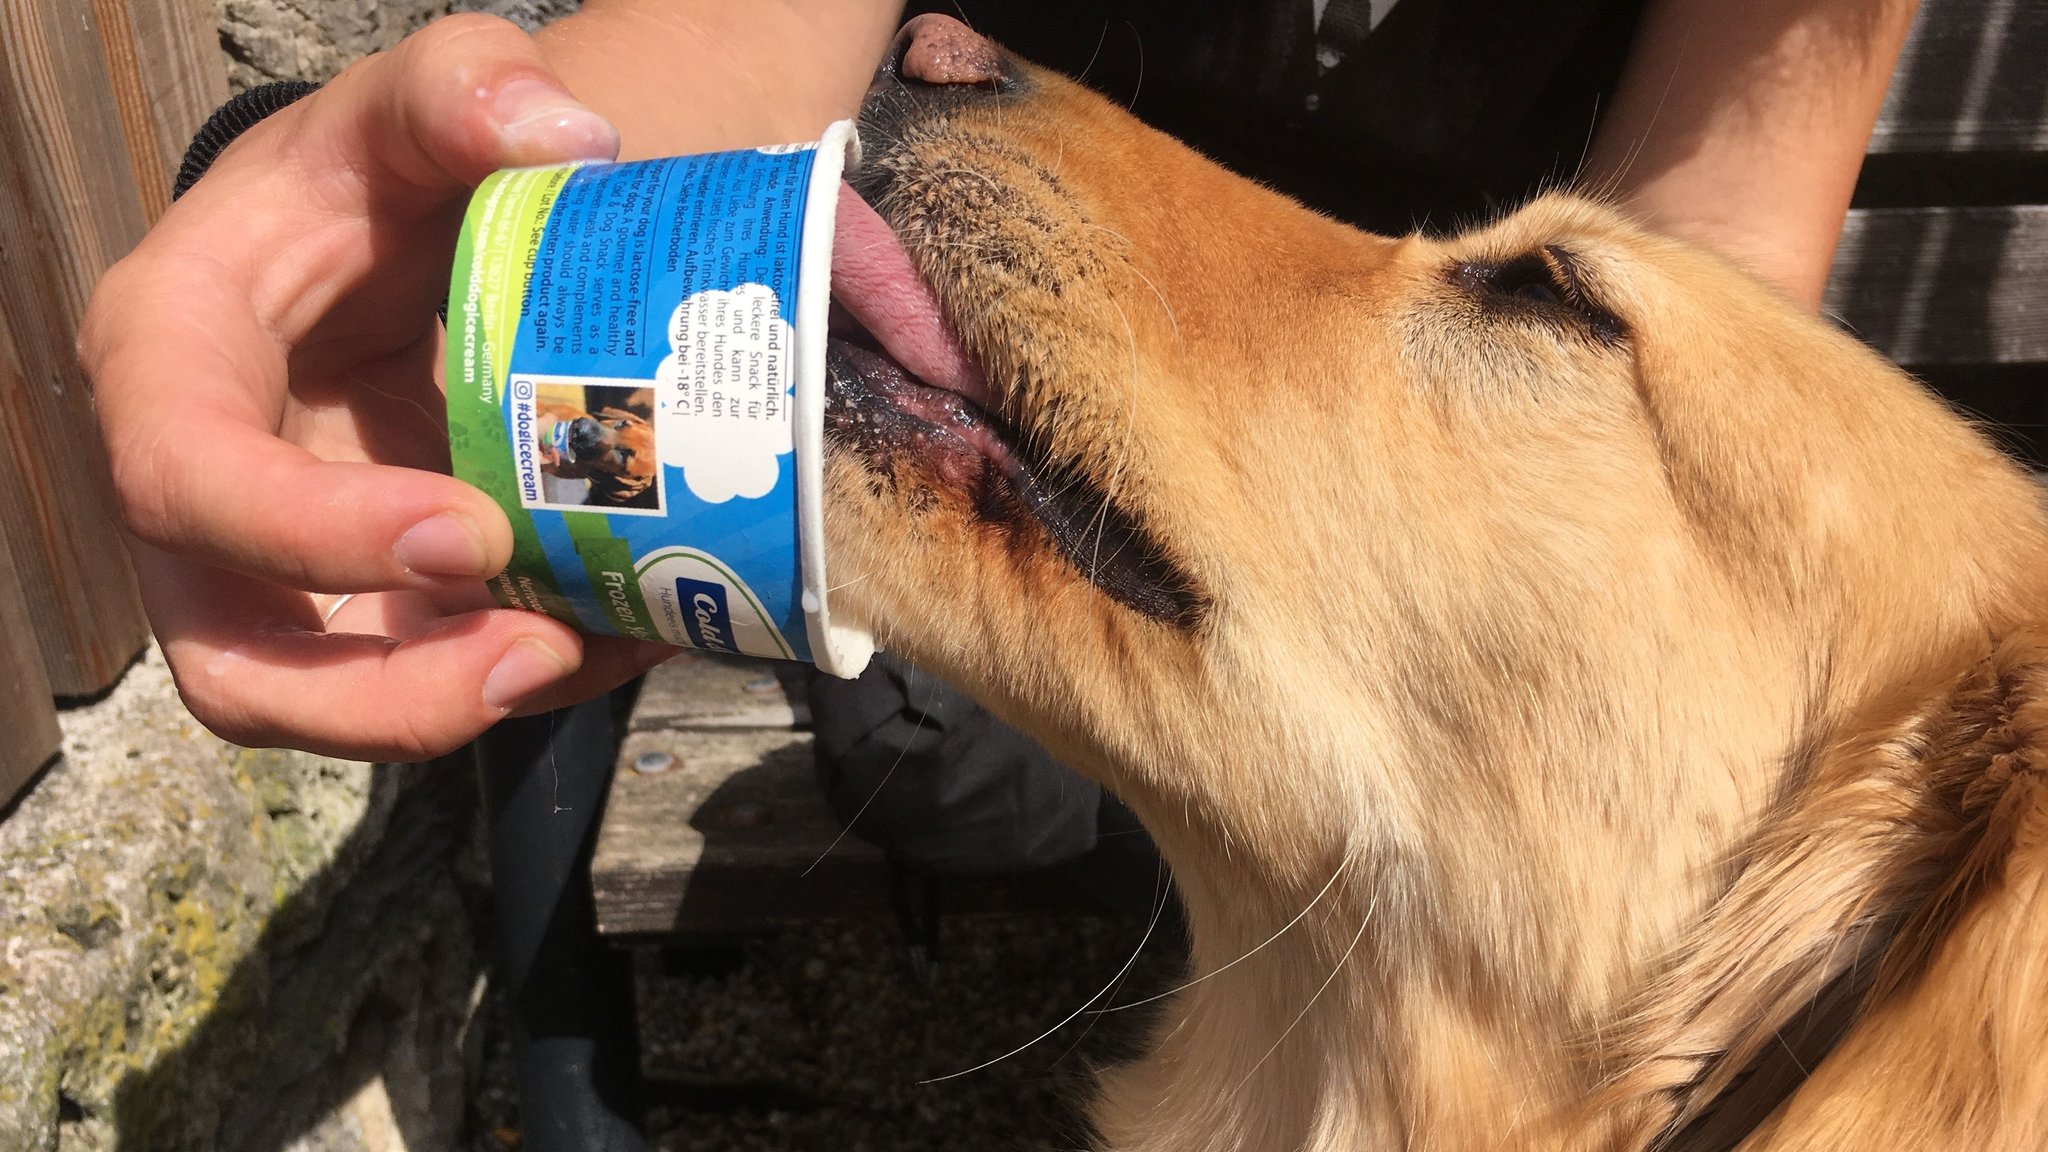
(443, 545)
(545, 123)
(525, 668)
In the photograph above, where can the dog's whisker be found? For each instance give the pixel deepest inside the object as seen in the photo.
(1324, 987)
(884, 783)
(432, 419)
(1161, 891)
(1100, 39)
(1165, 306)
(1157, 908)
(1256, 949)
(1138, 87)
(1614, 183)
(847, 583)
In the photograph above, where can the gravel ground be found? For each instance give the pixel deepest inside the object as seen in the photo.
(817, 1039)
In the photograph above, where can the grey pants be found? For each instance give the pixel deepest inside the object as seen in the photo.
(918, 769)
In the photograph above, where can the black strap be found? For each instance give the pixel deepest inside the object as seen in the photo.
(232, 119)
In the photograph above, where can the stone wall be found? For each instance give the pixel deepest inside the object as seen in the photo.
(313, 39)
(205, 948)
(210, 948)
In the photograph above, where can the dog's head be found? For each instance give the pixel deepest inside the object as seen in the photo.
(614, 450)
(1248, 466)
(1554, 541)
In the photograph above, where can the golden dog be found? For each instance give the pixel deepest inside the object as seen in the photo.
(1586, 704)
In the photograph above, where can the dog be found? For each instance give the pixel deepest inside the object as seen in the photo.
(1585, 703)
(614, 450)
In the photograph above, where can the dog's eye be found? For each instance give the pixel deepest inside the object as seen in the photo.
(1528, 278)
(1546, 281)
(1532, 276)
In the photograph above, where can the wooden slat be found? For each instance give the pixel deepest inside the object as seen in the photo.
(28, 722)
(672, 858)
(700, 690)
(164, 59)
(1929, 286)
(1973, 78)
(737, 837)
(68, 207)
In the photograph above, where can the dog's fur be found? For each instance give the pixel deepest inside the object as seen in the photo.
(1645, 695)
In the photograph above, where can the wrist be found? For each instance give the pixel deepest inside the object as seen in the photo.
(679, 76)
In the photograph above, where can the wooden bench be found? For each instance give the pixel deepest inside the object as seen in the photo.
(715, 824)
(1943, 266)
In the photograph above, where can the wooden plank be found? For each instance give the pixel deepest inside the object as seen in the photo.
(702, 690)
(28, 720)
(1973, 78)
(1929, 286)
(164, 60)
(736, 837)
(67, 209)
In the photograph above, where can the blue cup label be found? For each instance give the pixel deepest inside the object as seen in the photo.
(622, 375)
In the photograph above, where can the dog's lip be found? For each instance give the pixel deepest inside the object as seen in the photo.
(875, 282)
(867, 386)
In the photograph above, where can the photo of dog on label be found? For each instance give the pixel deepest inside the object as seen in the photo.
(596, 446)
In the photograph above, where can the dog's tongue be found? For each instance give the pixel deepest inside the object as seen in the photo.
(872, 278)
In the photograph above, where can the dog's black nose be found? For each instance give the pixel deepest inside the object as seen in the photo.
(585, 435)
(935, 49)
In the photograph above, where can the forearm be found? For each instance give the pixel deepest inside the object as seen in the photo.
(1742, 126)
(681, 76)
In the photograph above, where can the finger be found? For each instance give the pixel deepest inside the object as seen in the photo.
(198, 469)
(331, 190)
(254, 665)
(237, 498)
(292, 218)
(608, 661)
(450, 104)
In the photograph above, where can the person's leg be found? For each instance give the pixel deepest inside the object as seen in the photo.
(568, 993)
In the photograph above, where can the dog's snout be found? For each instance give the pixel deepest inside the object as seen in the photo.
(585, 434)
(935, 49)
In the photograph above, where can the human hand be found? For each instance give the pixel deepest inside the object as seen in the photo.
(265, 368)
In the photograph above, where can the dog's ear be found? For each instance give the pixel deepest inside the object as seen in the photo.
(1889, 832)
(1986, 760)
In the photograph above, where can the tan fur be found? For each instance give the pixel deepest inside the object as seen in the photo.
(1638, 696)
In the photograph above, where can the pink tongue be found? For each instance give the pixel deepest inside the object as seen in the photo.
(872, 279)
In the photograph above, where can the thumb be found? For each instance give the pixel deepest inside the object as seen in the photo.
(406, 130)
(459, 99)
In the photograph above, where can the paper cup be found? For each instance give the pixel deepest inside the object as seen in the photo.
(636, 373)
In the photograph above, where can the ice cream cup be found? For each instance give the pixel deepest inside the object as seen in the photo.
(636, 373)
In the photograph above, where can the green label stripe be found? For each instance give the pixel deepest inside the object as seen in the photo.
(608, 561)
(494, 257)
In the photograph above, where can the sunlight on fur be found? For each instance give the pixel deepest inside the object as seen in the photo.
(1629, 695)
